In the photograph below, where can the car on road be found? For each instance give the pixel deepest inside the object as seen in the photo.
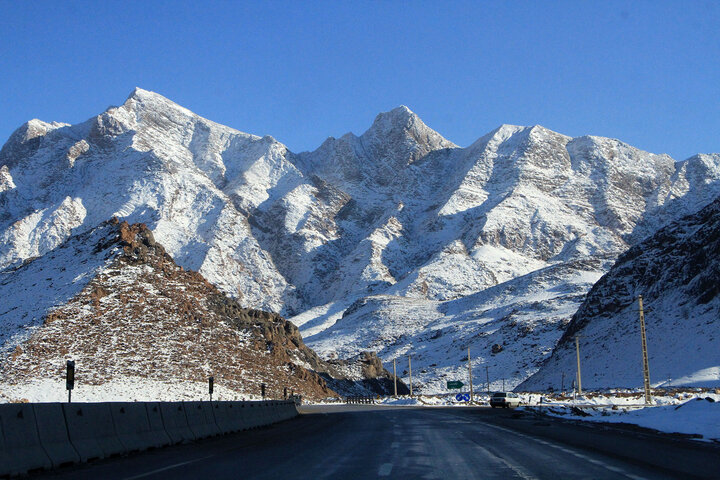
(504, 399)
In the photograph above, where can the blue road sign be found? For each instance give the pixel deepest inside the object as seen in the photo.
(462, 397)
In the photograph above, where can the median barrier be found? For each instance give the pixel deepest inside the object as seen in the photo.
(175, 422)
(247, 416)
(289, 410)
(91, 430)
(260, 416)
(277, 411)
(4, 458)
(44, 435)
(200, 419)
(53, 433)
(158, 436)
(274, 412)
(22, 443)
(267, 413)
(233, 417)
(243, 416)
(132, 425)
(223, 417)
(251, 415)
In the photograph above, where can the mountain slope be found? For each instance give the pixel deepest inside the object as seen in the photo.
(676, 271)
(143, 318)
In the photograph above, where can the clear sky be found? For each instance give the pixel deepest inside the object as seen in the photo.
(646, 72)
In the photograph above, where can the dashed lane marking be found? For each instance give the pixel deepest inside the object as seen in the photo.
(571, 452)
(517, 469)
(385, 469)
(169, 467)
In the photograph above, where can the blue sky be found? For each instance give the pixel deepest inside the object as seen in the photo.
(647, 73)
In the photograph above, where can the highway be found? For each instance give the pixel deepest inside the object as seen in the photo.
(366, 442)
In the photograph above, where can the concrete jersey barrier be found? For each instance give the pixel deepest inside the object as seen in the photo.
(44, 435)
(200, 419)
(175, 422)
(22, 443)
(157, 432)
(132, 425)
(53, 433)
(223, 417)
(91, 430)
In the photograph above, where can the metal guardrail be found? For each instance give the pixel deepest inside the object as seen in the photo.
(360, 400)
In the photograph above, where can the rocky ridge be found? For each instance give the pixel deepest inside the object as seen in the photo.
(676, 271)
(142, 317)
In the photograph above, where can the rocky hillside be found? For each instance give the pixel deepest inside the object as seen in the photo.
(142, 318)
(388, 241)
(677, 271)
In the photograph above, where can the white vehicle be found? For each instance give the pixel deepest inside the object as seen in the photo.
(504, 399)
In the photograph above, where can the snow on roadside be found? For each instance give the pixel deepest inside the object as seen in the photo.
(128, 389)
(699, 416)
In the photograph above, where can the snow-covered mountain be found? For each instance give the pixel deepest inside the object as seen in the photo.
(396, 240)
(677, 272)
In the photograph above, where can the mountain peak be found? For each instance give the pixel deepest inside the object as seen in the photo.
(399, 117)
(141, 93)
(403, 122)
(140, 98)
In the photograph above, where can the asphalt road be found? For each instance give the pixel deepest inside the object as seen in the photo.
(365, 442)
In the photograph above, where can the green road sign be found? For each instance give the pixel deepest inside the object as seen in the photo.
(455, 384)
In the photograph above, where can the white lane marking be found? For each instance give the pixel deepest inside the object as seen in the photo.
(571, 452)
(385, 469)
(170, 467)
(395, 445)
(519, 471)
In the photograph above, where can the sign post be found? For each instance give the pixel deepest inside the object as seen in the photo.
(70, 378)
(211, 381)
(262, 390)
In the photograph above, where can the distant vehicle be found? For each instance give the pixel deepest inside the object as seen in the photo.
(504, 399)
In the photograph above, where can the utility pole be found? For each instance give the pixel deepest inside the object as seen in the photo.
(470, 375)
(577, 353)
(410, 367)
(487, 376)
(646, 365)
(562, 383)
(503, 385)
(394, 378)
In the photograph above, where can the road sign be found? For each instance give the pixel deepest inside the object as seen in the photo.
(70, 376)
(455, 384)
(462, 397)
